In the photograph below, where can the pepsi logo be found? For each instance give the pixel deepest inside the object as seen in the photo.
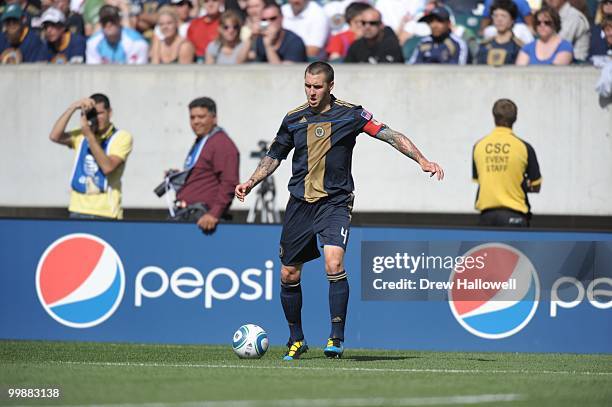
(498, 300)
(80, 280)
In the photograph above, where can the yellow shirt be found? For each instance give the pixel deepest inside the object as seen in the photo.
(107, 204)
(503, 165)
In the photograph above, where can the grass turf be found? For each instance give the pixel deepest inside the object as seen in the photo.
(105, 373)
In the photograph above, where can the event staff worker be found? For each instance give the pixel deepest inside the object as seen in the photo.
(18, 43)
(506, 169)
(101, 153)
(212, 163)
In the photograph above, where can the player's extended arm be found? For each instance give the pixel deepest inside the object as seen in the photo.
(403, 144)
(266, 166)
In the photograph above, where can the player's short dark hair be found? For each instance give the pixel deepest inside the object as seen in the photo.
(318, 67)
(552, 13)
(204, 102)
(507, 5)
(101, 98)
(504, 112)
(354, 9)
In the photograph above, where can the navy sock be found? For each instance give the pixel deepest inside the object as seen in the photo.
(291, 298)
(338, 303)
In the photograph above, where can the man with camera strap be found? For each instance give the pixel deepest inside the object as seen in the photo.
(205, 187)
(101, 153)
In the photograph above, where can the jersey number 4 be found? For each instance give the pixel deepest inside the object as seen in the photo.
(344, 233)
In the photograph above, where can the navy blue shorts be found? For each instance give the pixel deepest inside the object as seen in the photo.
(329, 218)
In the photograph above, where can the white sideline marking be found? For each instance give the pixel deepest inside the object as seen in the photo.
(340, 402)
(349, 369)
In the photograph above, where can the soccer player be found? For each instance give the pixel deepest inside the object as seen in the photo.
(323, 132)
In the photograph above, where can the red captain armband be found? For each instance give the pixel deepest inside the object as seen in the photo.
(372, 127)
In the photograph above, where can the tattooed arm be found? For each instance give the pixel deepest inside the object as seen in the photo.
(266, 166)
(403, 144)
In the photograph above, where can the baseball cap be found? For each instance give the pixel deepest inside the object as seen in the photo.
(438, 13)
(12, 11)
(175, 2)
(53, 15)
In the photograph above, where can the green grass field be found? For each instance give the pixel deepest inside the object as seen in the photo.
(156, 375)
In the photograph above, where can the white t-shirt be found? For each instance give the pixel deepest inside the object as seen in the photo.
(393, 11)
(311, 24)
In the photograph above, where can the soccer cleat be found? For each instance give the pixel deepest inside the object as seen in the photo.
(296, 350)
(334, 348)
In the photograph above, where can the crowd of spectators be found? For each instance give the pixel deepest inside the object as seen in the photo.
(496, 32)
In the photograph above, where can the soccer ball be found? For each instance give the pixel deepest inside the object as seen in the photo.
(250, 342)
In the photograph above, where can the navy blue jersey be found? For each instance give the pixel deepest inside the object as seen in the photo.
(323, 147)
(30, 49)
(494, 53)
(70, 51)
(448, 49)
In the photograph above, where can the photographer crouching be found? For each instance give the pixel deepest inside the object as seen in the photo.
(101, 153)
(205, 186)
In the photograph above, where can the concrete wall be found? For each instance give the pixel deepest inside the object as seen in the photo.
(443, 110)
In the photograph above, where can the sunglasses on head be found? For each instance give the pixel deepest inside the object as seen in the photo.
(544, 22)
(373, 23)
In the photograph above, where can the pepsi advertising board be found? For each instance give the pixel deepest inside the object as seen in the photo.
(421, 289)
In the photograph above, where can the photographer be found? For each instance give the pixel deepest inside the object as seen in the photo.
(101, 152)
(210, 170)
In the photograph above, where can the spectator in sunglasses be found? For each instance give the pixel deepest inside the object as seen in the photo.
(338, 44)
(378, 44)
(549, 48)
(277, 45)
(228, 48)
(205, 29)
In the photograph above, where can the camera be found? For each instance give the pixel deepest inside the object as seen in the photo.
(263, 25)
(263, 149)
(174, 180)
(92, 119)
